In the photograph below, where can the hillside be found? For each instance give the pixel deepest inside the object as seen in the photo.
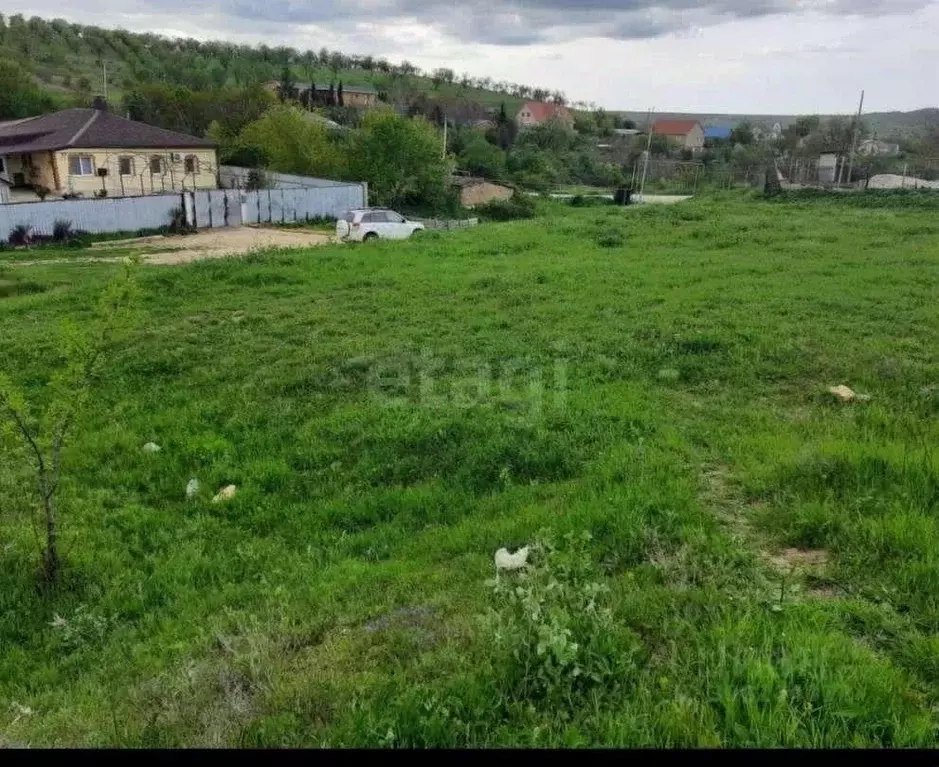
(70, 59)
(896, 125)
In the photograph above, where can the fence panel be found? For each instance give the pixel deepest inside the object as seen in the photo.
(250, 205)
(203, 207)
(277, 206)
(116, 214)
(234, 207)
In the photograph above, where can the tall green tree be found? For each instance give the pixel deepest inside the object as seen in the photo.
(19, 95)
(401, 159)
(291, 140)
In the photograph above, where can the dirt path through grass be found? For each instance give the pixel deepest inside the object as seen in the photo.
(212, 243)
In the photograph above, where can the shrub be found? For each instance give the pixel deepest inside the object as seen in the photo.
(518, 207)
(554, 631)
(22, 234)
(41, 192)
(611, 240)
(61, 230)
(101, 193)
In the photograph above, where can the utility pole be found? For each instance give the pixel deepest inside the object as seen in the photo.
(104, 69)
(444, 137)
(645, 164)
(857, 128)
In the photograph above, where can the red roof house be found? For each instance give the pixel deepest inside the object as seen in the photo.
(690, 133)
(539, 112)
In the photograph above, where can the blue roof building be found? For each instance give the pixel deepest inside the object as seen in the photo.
(717, 132)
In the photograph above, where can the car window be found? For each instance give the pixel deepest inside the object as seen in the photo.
(395, 218)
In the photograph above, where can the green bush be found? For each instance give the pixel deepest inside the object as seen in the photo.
(518, 207)
(554, 631)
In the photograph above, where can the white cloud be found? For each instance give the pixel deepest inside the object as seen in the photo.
(678, 55)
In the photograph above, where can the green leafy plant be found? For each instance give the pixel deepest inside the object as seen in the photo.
(554, 627)
(41, 440)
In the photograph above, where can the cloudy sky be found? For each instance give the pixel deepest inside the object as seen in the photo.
(750, 56)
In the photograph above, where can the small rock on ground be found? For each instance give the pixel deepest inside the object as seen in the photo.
(151, 447)
(225, 493)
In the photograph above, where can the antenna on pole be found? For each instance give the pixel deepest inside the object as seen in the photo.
(645, 163)
(857, 128)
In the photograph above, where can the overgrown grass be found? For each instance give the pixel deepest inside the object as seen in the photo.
(664, 371)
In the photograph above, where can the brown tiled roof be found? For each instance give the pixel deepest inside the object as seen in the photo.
(541, 111)
(89, 129)
(674, 127)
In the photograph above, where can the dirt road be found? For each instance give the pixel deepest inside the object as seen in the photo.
(214, 243)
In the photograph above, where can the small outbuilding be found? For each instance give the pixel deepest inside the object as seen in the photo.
(479, 191)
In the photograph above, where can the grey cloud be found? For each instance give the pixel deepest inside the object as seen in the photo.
(522, 22)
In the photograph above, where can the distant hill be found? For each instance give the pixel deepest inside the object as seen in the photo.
(887, 125)
(70, 60)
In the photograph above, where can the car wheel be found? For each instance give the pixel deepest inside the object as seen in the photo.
(370, 236)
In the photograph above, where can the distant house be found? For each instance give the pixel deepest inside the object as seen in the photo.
(92, 152)
(689, 133)
(874, 147)
(540, 112)
(313, 94)
(478, 191)
(625, 132)
(352, 95)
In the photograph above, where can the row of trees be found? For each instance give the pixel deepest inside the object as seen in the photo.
(60, 49)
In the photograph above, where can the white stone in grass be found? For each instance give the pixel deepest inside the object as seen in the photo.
(225, 493)
(516, 561)
(843, 394)
(192, 488)
(151, 447)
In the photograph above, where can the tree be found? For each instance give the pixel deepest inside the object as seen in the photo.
(401, 159)
(481, 158)
(340, 100)
(291, 140)
(742, 134)
(41, 441)
(286, 87)
(19, 96)
(331, 96)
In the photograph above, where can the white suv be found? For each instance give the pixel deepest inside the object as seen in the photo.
(375, 223)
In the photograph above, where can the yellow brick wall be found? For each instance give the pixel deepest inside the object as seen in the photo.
(142, 181)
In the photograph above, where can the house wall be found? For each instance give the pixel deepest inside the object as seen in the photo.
(38, 173)
(695, 138)
(173, 179)
(480, 194)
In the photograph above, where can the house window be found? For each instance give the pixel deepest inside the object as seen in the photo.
(3, 166)
(126, 166)
(191, 164)
(156, 164)
(81, 165)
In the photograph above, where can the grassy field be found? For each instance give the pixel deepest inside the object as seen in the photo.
(727, 557)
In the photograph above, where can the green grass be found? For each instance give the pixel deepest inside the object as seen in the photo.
(341, 597)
